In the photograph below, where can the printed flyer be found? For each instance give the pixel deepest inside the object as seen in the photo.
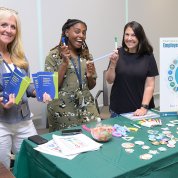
(46, 82)
(15, 83)
(36, 84)
(150, 115)
(6, 78)
(168, 76)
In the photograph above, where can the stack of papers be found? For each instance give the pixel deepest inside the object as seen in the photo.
(51, 148)
(149, 115)
(69, 146)
(75, 144)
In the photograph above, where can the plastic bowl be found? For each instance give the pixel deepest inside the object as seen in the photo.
(102, 133)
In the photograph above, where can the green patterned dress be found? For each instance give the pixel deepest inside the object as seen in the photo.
(74, 106)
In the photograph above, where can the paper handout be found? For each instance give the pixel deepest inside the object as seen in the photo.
(51, 148)
(46, 82)
(75, 144)
(149, 115)
(14, 83)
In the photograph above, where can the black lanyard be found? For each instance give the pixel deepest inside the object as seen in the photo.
(78, 71)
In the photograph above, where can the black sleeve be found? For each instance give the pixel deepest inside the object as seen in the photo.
(153, 69)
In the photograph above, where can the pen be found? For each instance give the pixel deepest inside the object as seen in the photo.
(116, 42)
(136, 126)
(102, 57)
(63, 41)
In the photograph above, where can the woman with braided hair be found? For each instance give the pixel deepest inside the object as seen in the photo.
(76, 77)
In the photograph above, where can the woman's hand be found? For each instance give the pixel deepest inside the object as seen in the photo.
(90, 68)
(10, 103)
(46, 98)
(140, 112)
(110, 73)
(114, 58)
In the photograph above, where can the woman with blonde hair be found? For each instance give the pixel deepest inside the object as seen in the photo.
(15, 121)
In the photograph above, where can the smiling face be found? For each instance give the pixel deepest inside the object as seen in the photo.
(131, 40)
(8, 30)
(76, 36)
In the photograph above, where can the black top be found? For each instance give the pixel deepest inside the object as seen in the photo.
(128, 87)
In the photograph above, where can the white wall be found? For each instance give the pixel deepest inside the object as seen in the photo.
(42, 21)
(102, 17)
(159, 19)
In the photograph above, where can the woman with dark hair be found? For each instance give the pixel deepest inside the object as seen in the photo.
(132, 70)
(76, 77)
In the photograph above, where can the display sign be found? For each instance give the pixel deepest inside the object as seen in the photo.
(169, 76)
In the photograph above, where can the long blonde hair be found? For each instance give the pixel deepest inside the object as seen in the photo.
(15, 48)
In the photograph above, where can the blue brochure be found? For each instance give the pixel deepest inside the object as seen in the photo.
(46, 82)
(36, 84)
(15, 83)
(6, 78)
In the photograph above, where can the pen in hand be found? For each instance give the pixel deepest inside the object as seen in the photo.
(63, 41)
(116, 42)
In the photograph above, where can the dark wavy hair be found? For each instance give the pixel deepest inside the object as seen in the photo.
(83, 51)
(144, 47)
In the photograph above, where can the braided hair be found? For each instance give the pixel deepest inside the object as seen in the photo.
(83, 51)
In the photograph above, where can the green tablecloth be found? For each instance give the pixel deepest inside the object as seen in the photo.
(110, 161)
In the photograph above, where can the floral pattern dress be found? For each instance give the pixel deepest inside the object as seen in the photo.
(74, 106)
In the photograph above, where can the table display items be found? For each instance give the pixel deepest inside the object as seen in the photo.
(150, 122)
(102, 133)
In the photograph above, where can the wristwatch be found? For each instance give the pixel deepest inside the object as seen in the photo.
(145, 106)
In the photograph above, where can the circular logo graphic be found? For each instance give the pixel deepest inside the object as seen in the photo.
(173, 75)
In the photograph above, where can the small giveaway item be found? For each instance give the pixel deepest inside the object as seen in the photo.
(102, 133)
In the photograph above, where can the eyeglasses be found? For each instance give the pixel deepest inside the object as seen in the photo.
(7, 9)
